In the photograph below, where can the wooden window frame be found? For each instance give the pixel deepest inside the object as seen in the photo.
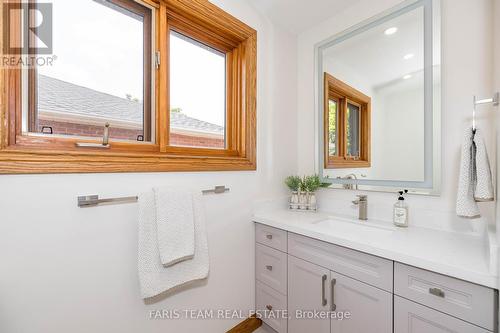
(135, 8)
(198, 19)
(334, 89)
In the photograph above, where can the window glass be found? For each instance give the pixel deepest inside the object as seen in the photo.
(197, 94)
(353, 133)
(99, 74)
(332, 127)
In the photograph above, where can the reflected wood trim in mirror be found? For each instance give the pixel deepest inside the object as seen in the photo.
(343, 94)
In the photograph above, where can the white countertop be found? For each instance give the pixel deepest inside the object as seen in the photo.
(463, 256)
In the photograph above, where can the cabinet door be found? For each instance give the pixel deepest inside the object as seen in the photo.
(369, 308)
(308, 295)
(410, 317)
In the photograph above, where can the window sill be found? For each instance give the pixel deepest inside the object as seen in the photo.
(341, 163)
(23, 160)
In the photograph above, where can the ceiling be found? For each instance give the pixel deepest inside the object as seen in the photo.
(299, 15)
(377, 59)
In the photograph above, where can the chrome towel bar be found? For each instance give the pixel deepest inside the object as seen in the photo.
(495, 101)
(93, 200)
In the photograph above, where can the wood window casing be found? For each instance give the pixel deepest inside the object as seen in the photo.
(342, 94)
(198, 19)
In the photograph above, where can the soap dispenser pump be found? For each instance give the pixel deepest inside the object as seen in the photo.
(400, 214)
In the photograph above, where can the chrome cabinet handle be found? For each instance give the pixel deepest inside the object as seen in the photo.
(436, 292)
(269, 307)
(334, 306)
(323, 298)
(269, 236)
(269, 268)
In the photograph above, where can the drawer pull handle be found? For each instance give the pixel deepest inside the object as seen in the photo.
(269, 268)
(323, 298)
(334, 306)
(269, 307)
(269, 237)
(436, 292)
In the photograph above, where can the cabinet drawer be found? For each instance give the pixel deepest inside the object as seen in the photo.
(270, 307)
(410, 317)
(271, 267)
(272, 237)
(464, 300)
(372, 270)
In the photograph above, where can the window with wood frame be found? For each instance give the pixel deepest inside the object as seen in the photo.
(133, 85)
(102, 74)
(347, 123)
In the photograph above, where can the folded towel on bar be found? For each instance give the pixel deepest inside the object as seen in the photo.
(154, 277)
(175, 225)
(475, 182)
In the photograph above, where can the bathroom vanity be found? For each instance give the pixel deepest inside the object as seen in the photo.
(388, 279)
(377, 107)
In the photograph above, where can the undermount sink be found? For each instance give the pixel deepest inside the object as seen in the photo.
(339, 225)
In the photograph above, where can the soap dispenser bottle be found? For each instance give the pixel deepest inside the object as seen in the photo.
(400, 214)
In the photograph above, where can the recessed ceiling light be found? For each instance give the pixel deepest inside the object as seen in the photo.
(407, 76)
(408, 56)
(391, 31)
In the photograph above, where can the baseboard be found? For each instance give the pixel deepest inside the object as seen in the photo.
(247, 326)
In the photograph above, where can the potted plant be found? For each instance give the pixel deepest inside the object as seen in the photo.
(303, 191)
(311, 185)
(294, 184)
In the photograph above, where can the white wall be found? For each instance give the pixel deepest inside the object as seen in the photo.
(467, 70)
(348, 75)
(398, 132)
(496, 88)
(65, 269)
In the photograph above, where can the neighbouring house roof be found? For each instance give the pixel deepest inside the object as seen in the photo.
(62, 100)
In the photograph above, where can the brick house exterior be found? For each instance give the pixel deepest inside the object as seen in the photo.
(68, 109)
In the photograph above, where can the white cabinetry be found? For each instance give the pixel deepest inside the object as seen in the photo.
(370, 308)
(328, 288)
(308, 295)
(411, 317)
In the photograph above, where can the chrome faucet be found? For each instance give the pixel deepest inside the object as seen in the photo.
(362, 203)
(350, 186)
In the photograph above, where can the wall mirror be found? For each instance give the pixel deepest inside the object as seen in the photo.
(378, 88)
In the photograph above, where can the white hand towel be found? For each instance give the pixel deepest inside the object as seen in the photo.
(175, 225)
(154, 277)
(474, 183)
(484, 186)
(466, 205)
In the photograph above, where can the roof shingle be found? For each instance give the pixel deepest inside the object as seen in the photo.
(63, 97)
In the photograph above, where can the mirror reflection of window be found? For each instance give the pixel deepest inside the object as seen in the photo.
(353, 133)
(377, 127)
(332, 127)
(347, 125)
